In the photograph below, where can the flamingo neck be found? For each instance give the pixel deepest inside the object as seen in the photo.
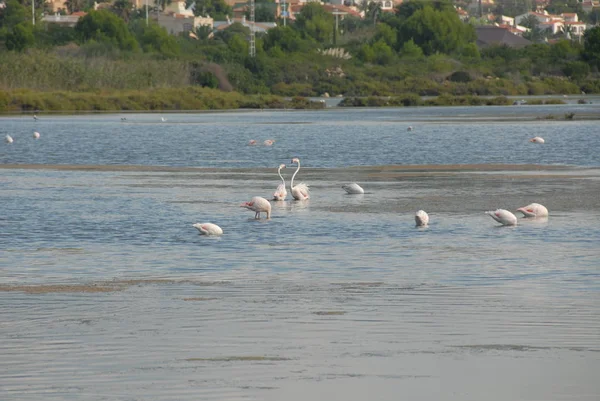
(280, 176)
(295, 172)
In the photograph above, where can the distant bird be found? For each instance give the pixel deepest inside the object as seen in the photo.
(421, 218)
(208, 229)
(353, 189)
(252, 142)
(35, 117)
(8, 139)
(534, 210)
(123, 118)
(300, 191)
(164, 120)
(280, 193)
(36, 135)
(537, 139)
(410, 128)
(258, 205)
(269, 142)
(503, 217)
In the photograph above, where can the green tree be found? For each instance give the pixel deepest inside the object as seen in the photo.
(313, 21)
(13, 14)
(123, 9)
(287, 39)
(21, 37)
(591, 47)
(155, 38)
(411, 50)
(104, 26)
(75, 5)
(435, 30)
(383, 53)
(217, 9)
(386, 33)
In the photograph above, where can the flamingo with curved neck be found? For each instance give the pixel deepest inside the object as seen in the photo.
(280, 192)
(300, 191)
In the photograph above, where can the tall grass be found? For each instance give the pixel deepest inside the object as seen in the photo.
(48, 71)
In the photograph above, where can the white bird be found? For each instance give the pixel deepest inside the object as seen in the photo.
(252, 142)
(269, 142)
(9, 139)
(537, 139)
(410, 128)
(280, 193)
(503, 217)
(164, 120)
(259, 205)
(36, 135)
(300, 191)
(353, 189)
(534, 210)
(35, 117)
(421, 218)
(208, 229)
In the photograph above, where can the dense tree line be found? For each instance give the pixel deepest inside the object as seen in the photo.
(423, 48)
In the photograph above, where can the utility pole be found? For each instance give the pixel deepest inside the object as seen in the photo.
(285, 13)
(146, 12)
(252, 35)
(33, 12)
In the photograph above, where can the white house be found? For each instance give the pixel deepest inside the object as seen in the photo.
(176, 19)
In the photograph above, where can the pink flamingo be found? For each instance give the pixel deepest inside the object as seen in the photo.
(280, 193)
(300, 191)
(259, 205)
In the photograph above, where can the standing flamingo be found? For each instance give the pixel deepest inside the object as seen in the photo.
(281, 193)
(534, 210)
(537, 139)
(209, 229)
(8, 139)
(421, 218)
(300, 191)
(503, 217)
(259, 205)
(36, 135)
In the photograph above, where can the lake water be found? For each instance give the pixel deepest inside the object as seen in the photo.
(107, 292)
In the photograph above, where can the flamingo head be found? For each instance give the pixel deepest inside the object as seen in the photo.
(252, 142)
(295, 160)
(247, 205)
(281, 166)
(527, 211)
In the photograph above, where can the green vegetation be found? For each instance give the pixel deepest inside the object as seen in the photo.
(112, 59)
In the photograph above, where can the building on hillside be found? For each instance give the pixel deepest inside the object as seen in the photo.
(259, 27)
(589, 5)
(64, 20)
(177, 19)
(495, 35)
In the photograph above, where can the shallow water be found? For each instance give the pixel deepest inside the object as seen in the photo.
(108, 293)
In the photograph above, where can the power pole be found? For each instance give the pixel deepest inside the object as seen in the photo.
(252, 35)
(146, 12)
(33, 12)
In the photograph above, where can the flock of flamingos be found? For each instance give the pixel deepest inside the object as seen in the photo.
(300, 192)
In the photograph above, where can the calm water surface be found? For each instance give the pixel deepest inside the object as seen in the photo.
(107, 292)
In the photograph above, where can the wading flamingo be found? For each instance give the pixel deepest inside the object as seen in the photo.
(269, 142)
(258, 205)
(300, 191)
(353, 189)
(280, 193)
(421, 218)
(208, 229)
(36, 135)
(537, 139)
(503, 217)
(252, 142)
(534, 210)
(8, 139)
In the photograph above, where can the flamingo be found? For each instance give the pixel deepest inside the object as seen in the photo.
(503, 217)
(164, 120)
(259, 205)
(353, 189)
(36, 135)
(421, 218)
(280, 193)
(208, 229)
(269, 142)
(8, 139)
(537, 139)
(534, 210)
(300, 191)
(410, 128)
(34, 117)
(252, 142)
